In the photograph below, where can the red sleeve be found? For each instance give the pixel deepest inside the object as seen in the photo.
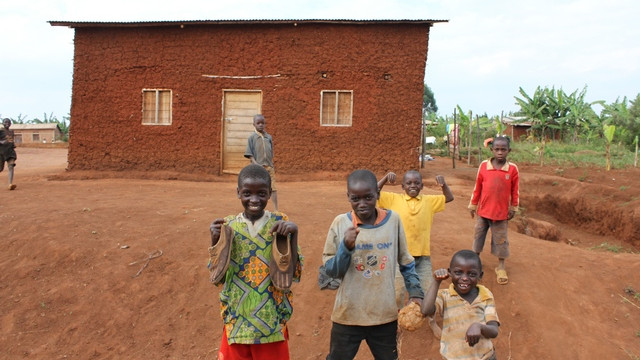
(477, 189)
(515, 187)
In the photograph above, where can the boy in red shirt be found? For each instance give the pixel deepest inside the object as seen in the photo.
(495, 199)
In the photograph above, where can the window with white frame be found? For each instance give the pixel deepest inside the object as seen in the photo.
(336, 107)
(156, 107)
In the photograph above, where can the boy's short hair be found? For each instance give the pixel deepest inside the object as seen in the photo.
(257, 116)
(363, 175)
(412, 171)
(254, 171)
(467, 255)
(503, 138)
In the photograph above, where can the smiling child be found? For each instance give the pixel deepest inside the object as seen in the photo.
(468, 310)
(363, 249)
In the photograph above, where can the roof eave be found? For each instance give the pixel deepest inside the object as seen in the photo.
(89, 24)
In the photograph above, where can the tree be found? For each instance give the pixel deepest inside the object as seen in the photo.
(633, 124)
(618, 114)
(609, 131)
(428, 101)
(581, 114)
(533, 108)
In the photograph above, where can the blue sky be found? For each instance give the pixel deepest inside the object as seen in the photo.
(477, 60)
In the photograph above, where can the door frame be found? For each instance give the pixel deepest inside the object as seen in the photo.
(223, 124)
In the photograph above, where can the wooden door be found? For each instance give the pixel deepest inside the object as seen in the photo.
(238, 109)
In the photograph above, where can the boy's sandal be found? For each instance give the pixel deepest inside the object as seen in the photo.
(220, 255)
(281, 265)
(501, 276)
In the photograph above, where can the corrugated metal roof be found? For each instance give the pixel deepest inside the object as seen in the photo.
(516, 120)
(79, 24)
(47, 126)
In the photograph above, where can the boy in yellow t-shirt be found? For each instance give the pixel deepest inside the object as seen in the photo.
(416, 212)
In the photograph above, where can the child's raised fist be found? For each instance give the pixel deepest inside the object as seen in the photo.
(441, 274)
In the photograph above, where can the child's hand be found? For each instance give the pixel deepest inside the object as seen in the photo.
(350, 237)
(441, 274)
(511, 214)
(391, 177)
(440, 181)
(474, 333)
(473, 213)
(416, 300)
(284, 228)
(214, 228)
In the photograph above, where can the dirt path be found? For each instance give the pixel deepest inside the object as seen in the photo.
(67, 289)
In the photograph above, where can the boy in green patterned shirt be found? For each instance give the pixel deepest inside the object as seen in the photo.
(254, 310)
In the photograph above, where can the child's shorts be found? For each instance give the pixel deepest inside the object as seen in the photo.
(499, 240)
(8, 152)
(271, 351)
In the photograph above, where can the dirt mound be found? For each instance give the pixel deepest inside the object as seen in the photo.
(71, 250)
(537, 228)
(606, 205)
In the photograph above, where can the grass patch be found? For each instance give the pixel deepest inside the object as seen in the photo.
(631, 292)
(631, 355)
(605, 246)
(563, 154)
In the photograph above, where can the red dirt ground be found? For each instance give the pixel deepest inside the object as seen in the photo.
(67, 291)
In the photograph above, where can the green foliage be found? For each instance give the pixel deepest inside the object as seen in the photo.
(558, 115)
(609, 131)
(428, 101)
(605, 246)
(626, 119)
(571, 155)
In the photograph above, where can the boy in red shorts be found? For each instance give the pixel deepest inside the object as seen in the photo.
(255, 298)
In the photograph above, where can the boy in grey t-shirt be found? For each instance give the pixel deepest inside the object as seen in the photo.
(363, 249)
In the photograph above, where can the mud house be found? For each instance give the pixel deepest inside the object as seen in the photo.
(36, 133)
(517, 127)
(180, 95)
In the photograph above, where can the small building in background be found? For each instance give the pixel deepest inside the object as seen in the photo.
(517, 127)
(36, 133)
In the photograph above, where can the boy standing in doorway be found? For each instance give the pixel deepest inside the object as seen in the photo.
(260, 152)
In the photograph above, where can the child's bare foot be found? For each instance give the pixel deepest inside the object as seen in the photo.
(12, 186)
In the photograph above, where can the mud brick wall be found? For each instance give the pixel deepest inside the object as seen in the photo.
(113, 64)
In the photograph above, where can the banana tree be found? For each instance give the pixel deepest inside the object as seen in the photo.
(534, 109)
(609, 131)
